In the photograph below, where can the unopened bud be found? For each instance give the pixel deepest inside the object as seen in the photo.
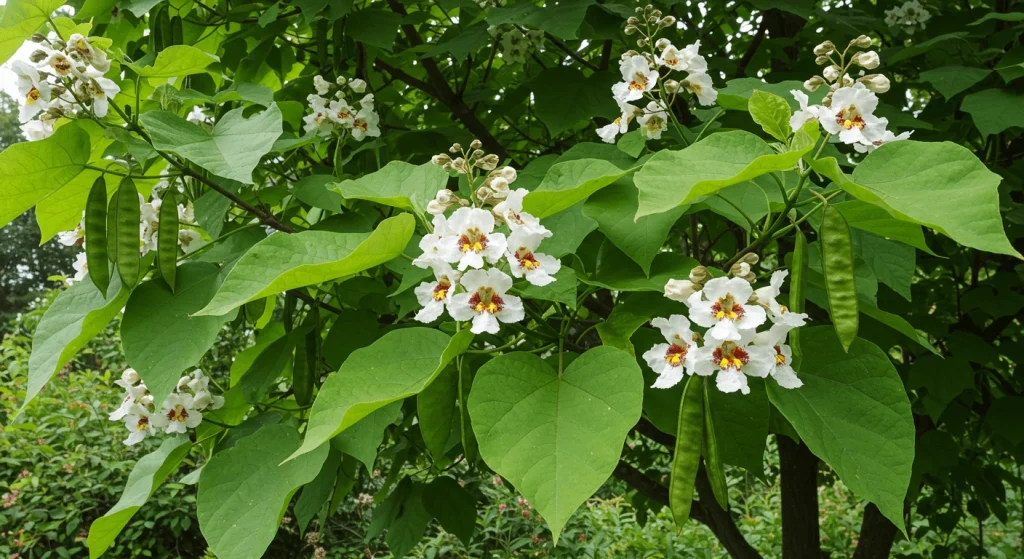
(656, 14)
(739, 269)
(642, 42)
(750, 258)
(59, 44)
(509, 174)
(831, 73)
(668, 21)
(436, 208)
(822, 60)
(441, 160)
(487, 162)
(671, 86)
(868, 59)
(639, 10)
(456, 148)
(444, 196)
(847, 81)
(662, 43)
(699, 274)
(862, 42)
(475, 144)
(483, 193)
(877, 83)
(459, 164)
(500, 187)
(814, 83)
(38, 38)
(824, 49)
(632, 21)
(630, 30)
(38, 56)
(477, 153)
(680, 290)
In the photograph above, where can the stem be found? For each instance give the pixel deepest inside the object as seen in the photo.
(707, 124)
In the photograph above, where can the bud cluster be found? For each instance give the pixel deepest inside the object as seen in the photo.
(838, 63)
(647, 22)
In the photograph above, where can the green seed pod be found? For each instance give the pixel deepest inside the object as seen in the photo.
(798, 267)
(837, 263)
(712, 462)
(96, 235)
(686, 460)
(167, 239)
(128, 214)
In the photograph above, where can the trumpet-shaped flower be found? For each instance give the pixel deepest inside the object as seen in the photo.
(177, 415)
(139, 422)
(782, 370)
(654, 120)
(365, 124)
(699, 84)
(472, 240)
(724, 309)
(525, 261)
(511, 211)
(673, 358)
(638, 78)
(851, 116)
(734, 360)
(435, 295)
(35, 89)
(486, 301)
(806, 113)
(430, 244)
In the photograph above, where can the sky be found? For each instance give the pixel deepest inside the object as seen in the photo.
(8, 82)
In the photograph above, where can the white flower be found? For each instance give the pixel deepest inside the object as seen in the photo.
(536, 267)
(35, 89)
(472, 239)
(139, 423)
(322, 86)
(128, 378)
(196, 382)
(850, 115)
(670, 360)
(101, 89)
(806, 113)
(887, 137)
(190, 240)
(434, 295)
(766, 297)
(725, 310)
(365, 124)
(367, 102)
(75, 237)
(700, 85)
(734, 361)
(511, 210)
(186, 213)
(80, 45)
(133, 395)
(831, 73)
(357, 85)
(672, 58)
(694, 61)
(654, 120)
(317, 122)
(485, 301)
(782, 370)
(509, 174)
(60, 64)
(35, 130)
(177, 415)
(679, 290)
(340, 112)
(196, 115)
(638, 78)
(81, 267)
(430, 244)
(620, 124)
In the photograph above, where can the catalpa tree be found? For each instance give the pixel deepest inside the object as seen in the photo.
(556, 242)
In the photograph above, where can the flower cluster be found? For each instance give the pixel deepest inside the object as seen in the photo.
(909, 17)
(330, 113)
(149, 223)
(515, 44)
(181, 411)
(62, 76)
(731, 311)
(641, 74)
(476, 288)
(847, 111)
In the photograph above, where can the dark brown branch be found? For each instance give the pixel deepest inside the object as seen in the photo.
(798, 468)
(405, 77)
(309, 301)
(263, 216)
(572, 54)
(877, 534)
(606, 55)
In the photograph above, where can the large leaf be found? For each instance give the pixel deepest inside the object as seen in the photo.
(231, 150)
(994, 110)
(569, 182)
(569, 228)
(672, 178)
(282, 262)
(51, 173)
(398, 184)
(939, 185)
(556, 436)
(951, 80)
(243, 491)
(853, 412)
(398, 365)
(874, 219)
(160, 337)
(735, 96)
(149, 472)
(577, 98)
(361, 440)
(642, 239)
(437, 414)
(74, 317)
(176, 61)
(614, 270)
(452, 506)
(22, 18)
(561, 19)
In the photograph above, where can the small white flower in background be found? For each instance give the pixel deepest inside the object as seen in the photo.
(139, 422)
(782, 371)
(177, 415)
(341, 112)
(365, 124)
(435, 295)
(81, 266)
(670, 360)
(806, 113)
(196, 115)
(654, 120)
(536, 267)
(734, 360)
(356, 85)
(190, 240)
(186, 213)
(322, 86)
(486, 301)
(75, 237)
(317, 121)
(101, 90)
(638, 78)
(887, 137)
(128, 378)
(700, 85)
(133, 396)
(367, 101)
(619, 125)
(35, 130)
(673, 58)
(909, 17)
(430, 244)
(851, 117)
(724, 309)
(473, 239)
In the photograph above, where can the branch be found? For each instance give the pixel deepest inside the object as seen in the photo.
(309, 301)
(798, 468)
(263, 216)
(877, 534)
(572, 54)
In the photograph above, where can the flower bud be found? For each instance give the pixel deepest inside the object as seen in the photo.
(671, 86)
(847, 81)
(652, 19)
(477, 152)
(740, 269)
(38, 56)
(662, 43)
(699, 274)
(357, 85)
(475, 144)
(488, 162)
(639, 10)
(632, 21)
(630, 30)
(814, 83)
(459, 164)
(441, 160)
(37, 38)
(456, 147)
(868, 59)
(436, 208)
(444, 196)
(863, 42)
(822, 60)
(668, 21)
(642, 42)
(483, 193)
(656, 14)
(59, 45)
(500, 186)
(750, 258)
(680, 290)
(825, 48)
(877, 83)
(509, 174)
(831, 73)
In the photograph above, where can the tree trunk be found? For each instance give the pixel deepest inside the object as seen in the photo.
(799, 472)
(876, 535)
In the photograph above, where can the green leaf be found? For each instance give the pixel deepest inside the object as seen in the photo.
(939, 185)
(398, 184)
(282, 262)
(232, 150)
(735, 96)
(398, 365)
(577, 98)
(772, 113)
(452, 506)
(568, 229)
(361, 440)
(175, 62)
(404, 516)
(437, 414)
(20, 20)
(352, 330)
(74, 317)
(160, 337)
(994, 110)
(556, 437)
(1012, 16)
(570, 182)
(633, 143)
(741, 425)
(626, 318)
(837, 266)
(874, 219)
(562, 290)
(893, 263)
(374, 27)
(686, 455)
(953, 79)
(243, 491)
(618, 272)
(51, 175)
(317, 493)
(149, 472)
(316, 191)
(672, 178)
(642, 239)
(853, 412)
(562, 19)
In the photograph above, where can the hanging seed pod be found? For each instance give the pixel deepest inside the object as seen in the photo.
(128, 214)
(96, 235)
(167, 239)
